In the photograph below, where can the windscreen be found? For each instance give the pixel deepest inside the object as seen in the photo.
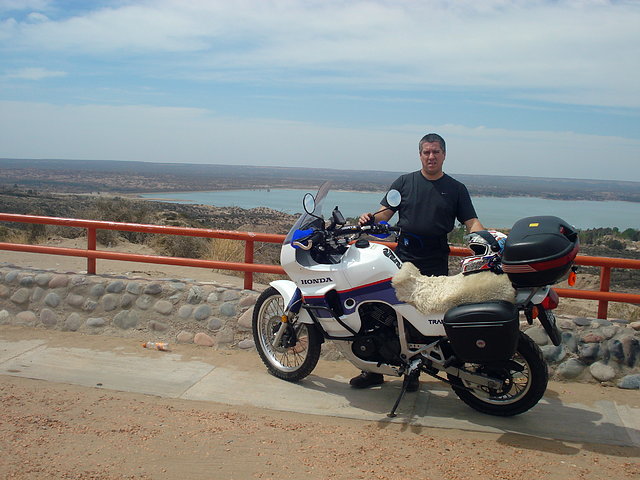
(307, 221)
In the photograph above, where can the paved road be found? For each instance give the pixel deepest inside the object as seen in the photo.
(121, 364)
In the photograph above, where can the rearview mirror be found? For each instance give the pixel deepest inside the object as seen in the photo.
(309, 203)
(393, 198)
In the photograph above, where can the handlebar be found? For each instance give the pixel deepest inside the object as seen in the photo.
(319, 237)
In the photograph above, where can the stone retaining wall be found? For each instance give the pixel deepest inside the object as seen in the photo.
(213, 314)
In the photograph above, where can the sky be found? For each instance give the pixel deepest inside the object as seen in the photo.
(520, 87)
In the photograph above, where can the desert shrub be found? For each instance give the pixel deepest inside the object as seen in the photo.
(118, 209)
(226, 250)
(613, 244)
(11, 235)
(180, 246)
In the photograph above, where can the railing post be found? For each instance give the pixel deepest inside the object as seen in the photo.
(91, 245)
(605, 283)
(248, 258)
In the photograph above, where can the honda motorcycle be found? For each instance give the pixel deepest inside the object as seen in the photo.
(341, 290)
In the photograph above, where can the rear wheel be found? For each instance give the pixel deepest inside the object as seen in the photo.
(522, 389)
(297, 353)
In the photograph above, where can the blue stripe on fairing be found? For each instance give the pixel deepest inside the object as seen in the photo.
(381, 290)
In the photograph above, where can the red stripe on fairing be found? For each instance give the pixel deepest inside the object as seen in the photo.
(540, 266)
(352, 289)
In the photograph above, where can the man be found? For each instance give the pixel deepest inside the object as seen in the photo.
(431, 203)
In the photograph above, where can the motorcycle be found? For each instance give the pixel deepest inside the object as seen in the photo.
(341, 290)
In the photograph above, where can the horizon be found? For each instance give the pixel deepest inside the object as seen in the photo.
(539, 89)
(312, 168)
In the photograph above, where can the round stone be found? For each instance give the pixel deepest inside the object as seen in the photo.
(184, 311)
(116, 286)
(21, 296)
(73, 322)
(43, 279)
(230, 295)
(59, 281)
(153, 289)
(163, 306)
(572, 368)
(27, 281)
(96, 322)
(126, 319)
(144, 302)
(202, 312)
(184, 337)
(588, 352)
(228, 309)
(538, 335)
(52, 299)
(48, 317)
(134, 288)
(158, 326)
(110, 302)
(127, 300)
(246, 344)
(203, 339)
(602, 372)
(97, 290)
(630, 381)
(214, 324)
(75, 300)
(27, 318)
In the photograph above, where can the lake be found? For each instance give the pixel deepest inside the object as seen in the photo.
(494, 212)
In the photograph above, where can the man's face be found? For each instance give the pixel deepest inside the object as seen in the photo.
(432, 158)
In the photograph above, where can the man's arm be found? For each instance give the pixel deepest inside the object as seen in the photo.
(473, 225)
(383, 214)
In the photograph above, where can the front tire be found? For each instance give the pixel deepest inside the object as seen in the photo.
(291, 363)
(523, 389)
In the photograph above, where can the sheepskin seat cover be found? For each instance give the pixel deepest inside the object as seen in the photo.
(439, 294)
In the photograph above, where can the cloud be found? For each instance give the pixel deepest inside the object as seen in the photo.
(579, 52)
(33, 74)
(189, 135)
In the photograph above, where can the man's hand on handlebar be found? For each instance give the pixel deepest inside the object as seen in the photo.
(366, 219)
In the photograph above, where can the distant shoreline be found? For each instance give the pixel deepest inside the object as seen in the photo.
(159, 198)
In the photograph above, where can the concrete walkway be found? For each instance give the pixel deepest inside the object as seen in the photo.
(237, 378)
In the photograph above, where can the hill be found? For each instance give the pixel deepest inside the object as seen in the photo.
(87, 176)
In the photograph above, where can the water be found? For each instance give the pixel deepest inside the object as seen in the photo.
(494, 212)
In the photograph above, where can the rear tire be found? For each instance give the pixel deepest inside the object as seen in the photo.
(523, 391)
(292, 363)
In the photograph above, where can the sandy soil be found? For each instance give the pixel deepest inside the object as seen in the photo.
(51, 430)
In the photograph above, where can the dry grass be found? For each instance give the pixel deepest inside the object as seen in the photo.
(226, 250)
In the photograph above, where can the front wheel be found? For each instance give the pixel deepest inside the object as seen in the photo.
(286, 360)
(522, 389)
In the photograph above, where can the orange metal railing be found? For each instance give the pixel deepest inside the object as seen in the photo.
(603, 296)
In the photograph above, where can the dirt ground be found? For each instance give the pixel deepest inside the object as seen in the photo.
(59, 431)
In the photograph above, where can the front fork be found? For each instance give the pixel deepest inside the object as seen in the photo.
(286, 330)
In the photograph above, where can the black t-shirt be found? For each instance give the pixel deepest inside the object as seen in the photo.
(431, 207)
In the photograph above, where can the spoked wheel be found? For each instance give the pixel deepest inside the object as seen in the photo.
(297, 353)
(522, 389)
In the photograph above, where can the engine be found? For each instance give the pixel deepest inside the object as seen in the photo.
(377, 340)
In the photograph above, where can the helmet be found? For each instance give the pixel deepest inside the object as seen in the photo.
(479, 263)
(486, 242)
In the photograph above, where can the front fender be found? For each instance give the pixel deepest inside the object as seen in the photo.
(287, 289)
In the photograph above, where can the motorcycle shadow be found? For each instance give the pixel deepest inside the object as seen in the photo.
(553, 419)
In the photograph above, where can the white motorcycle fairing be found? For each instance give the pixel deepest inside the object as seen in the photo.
(363, 275)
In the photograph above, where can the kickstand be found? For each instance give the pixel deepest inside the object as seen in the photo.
(405, 384)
